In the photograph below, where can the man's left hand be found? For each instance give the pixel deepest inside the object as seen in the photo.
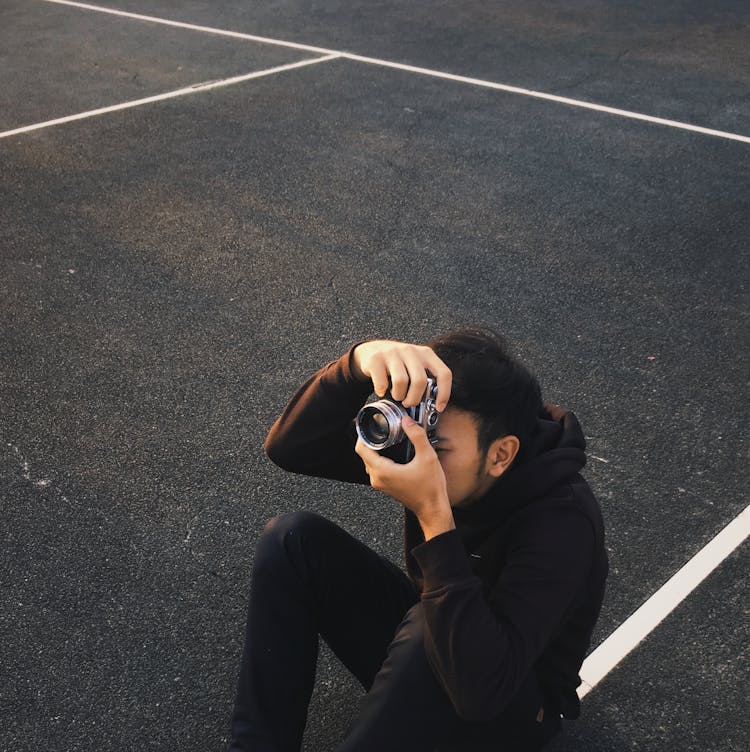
(419, 485)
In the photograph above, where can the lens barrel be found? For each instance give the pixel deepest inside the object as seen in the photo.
(379, 424)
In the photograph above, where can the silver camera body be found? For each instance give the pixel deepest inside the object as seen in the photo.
(378, 423)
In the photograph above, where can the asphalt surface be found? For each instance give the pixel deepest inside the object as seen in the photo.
(172, 272)
(682, 59)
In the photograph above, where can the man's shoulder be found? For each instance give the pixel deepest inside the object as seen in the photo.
(567, 509)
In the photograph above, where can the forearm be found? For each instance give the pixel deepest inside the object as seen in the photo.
(482, 645)
(314, 433)
(475, 658)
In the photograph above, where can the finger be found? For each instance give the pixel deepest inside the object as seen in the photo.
(369, 456)
(399, 379)
(362, 449)
(379, 376)
(376, 466)
(444, 378)
(416, 434)
(417, 381)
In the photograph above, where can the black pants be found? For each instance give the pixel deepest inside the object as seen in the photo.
(312, 578)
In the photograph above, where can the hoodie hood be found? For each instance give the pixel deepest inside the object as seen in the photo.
(554, 453)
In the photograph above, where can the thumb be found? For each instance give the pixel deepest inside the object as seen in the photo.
(417, 435)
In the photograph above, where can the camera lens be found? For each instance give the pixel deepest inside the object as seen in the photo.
(376, 427)
(379, 424)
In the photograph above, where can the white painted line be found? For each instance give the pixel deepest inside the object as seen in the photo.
(194, 89)
(194, 27)
(634, 629)
(422, 71)
(548, 97)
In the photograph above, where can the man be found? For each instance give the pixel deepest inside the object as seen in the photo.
(479, 646)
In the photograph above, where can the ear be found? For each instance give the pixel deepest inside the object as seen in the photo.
(501, 454)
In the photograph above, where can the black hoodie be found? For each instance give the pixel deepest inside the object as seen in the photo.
(516, 587)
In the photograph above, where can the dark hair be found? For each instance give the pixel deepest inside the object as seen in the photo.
(489, 382)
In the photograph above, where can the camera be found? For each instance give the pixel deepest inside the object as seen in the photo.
(379, 423)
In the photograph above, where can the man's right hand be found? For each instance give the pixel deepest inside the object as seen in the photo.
(405, 368)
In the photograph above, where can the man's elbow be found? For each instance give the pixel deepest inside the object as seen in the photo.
(277, 453)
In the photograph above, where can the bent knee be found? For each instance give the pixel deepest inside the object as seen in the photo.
(281, 531)
(292, 522)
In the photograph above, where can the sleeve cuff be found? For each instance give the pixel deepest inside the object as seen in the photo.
(347, 368)
(339, 375)
(443, 560)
